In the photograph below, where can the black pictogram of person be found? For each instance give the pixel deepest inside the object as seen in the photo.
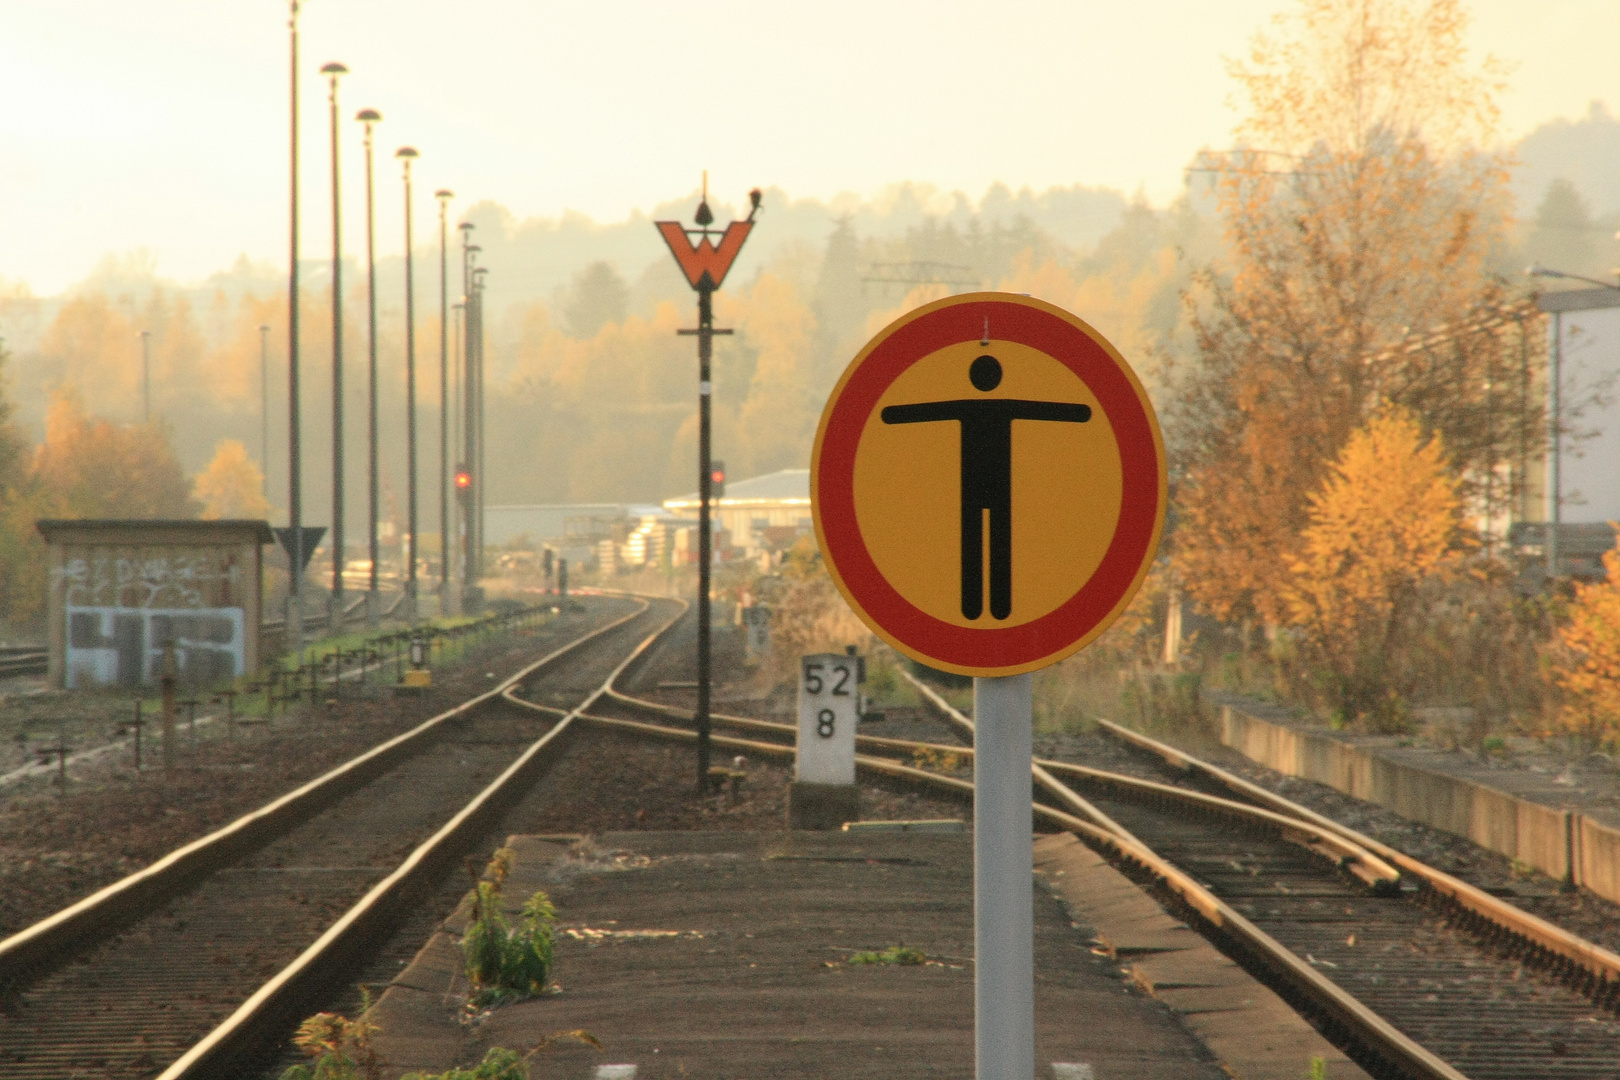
(986, 475)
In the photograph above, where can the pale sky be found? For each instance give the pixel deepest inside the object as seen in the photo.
(137, 124)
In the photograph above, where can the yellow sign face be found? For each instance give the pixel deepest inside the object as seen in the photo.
(988, 484)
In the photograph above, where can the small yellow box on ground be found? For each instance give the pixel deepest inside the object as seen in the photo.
(418, 678)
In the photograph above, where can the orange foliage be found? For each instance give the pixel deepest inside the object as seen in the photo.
(1370, 214)
(1385, 521)
(88, 467)
(232, 485)
(1586, 665)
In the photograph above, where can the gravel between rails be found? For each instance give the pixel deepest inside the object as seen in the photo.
(58, 847)
(607, 781)
(127, 1006)
(1580, 912)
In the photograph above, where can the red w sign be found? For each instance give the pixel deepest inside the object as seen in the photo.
(705, 260)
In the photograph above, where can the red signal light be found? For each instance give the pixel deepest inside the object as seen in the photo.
(463, 479)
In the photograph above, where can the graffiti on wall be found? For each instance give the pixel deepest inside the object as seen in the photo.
(108, 646)
(124, 604)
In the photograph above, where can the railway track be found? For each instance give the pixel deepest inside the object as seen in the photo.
(31, 660)
(1413, 972)
(188, 967)
(22, 660)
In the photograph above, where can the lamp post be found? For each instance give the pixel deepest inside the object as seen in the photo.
(444, 195)
(406, 155)
(468, 256)
(264, 406)
(146, 376)
(459, 581)
(705, 267)
(482, 485)
(1555, 424)
(367, 118)
(332, 72)
(295, 494)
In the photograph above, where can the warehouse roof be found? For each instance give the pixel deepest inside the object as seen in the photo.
(786, 487)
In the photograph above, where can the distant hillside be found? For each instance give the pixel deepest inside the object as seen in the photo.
(1586, 152)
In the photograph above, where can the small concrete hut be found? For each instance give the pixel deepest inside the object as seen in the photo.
(119, 591)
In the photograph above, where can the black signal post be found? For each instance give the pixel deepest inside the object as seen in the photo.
(705, 266)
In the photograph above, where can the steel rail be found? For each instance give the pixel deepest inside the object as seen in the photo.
(114, 904)
(1374, 1035)
(1556, 946)
(1357, 858)
(1354, 1019)
(276, 1001)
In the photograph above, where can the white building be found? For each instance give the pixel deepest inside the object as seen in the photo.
(759, 514)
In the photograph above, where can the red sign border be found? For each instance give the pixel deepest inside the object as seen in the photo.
(990, 651)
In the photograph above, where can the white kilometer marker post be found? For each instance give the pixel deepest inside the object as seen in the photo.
(827, 718)
(823, 794)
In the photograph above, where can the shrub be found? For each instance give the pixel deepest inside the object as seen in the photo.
(341, 1047)
(1584, 662)
(499, 1064)
(503, 963)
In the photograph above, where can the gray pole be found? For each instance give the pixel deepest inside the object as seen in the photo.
(459, 562)
(470, 320)
(482, 484)
(264, 405)
(295, 495)
(407, 154)
(1555, 423)
(369, 117)
(146, 376)
(1003, 880)
(444, 196)
(332, 71)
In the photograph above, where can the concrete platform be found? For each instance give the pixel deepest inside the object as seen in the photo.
(726, 955)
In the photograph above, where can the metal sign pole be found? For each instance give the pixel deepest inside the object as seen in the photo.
(1003, 879)
(705, 267)
(705, 538)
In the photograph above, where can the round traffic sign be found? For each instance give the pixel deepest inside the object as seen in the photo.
(988, 484)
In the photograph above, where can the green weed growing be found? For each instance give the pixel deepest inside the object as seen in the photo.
(504, 963)
(341, 1047)
(503, 1064)
(904, 955)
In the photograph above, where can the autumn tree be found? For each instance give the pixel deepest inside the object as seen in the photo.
(1384, 522)
(232, 486)
(89, 467)
(21, 552)
(1585, 659)
(1359, 211)
(599, 297)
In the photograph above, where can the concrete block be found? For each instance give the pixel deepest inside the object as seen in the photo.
(822, 806)
(1538, 835)
(1597, 849)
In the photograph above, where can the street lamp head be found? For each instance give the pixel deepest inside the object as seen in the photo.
(334, 69)
(406, 152)
(466, 225)
(368, 116)
(444, 193)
